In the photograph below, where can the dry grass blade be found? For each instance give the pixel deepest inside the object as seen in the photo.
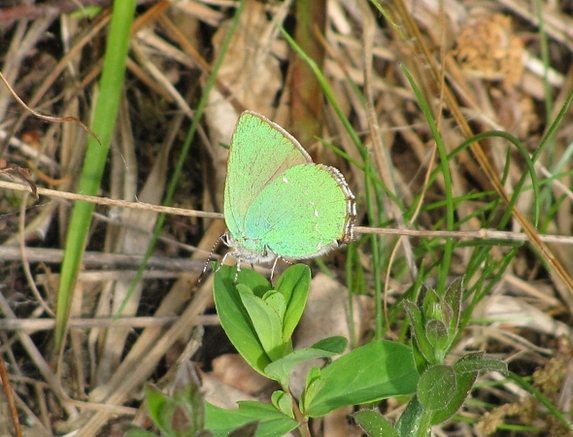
(46, 118)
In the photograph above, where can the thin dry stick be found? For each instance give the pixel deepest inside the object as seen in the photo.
(25, 264)
(38, 359)
(112, 202)
(46, 118)
(103, 259)
(34, 325)
(481, 234)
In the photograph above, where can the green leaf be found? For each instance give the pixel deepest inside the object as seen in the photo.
(280, 369)
(265, 319)
(453, 297)
(467, 370)
(418, 331)
(334, 345)
(437, 387)
(182, 414)
(437, 335)
(276, 301)
(464, 385)
(313, 385)
(272, 422)
(234, 318)
(475, 362)
(367, 374)
(283, 402)
(156, 402)
(186, 391)
(294, 285)
(430, 300)
(374, 424)
(410, 422)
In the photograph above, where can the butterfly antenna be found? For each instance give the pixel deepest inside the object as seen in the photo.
(210, 257)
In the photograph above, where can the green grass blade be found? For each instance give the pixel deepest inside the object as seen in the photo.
(541, 398)
(528, 162)
(105, 114)
(449, 247)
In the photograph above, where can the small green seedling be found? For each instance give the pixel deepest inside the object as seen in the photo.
(442, 388)
(182, 413)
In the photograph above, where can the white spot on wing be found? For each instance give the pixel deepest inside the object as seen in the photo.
(315, 210)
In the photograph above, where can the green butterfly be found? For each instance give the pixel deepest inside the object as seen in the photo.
(277, 202)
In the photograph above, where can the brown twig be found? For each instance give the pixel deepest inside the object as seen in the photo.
(47, 118)
(10, 397)
(481, 234)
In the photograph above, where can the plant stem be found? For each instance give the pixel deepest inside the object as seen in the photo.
(303, 423)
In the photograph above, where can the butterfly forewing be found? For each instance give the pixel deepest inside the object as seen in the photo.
(260, 151)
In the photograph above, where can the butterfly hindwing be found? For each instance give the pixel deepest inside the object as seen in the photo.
(300, 214)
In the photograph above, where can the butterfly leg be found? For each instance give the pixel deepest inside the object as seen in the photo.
(275, 262)
(238, 269)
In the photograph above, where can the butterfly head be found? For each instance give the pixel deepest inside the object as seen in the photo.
(248, 250)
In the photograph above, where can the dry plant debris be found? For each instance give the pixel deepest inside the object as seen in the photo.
(488, 46)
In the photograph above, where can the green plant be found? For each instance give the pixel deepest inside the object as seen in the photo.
(182, 413)
(105, 113)
(434, 323)
(260, 320)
